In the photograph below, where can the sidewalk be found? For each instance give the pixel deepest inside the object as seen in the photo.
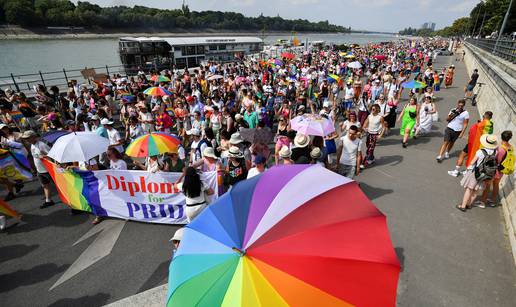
(449, 258)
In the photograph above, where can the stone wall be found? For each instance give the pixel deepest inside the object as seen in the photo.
(499, 96)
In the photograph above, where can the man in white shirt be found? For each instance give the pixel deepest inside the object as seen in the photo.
(39, 150)
(349, 95)
(458, 120)
(114, 137)
(349, 153)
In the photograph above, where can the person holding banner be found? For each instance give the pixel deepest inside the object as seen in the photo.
(116, 161)
(39, 151)
(196, 193)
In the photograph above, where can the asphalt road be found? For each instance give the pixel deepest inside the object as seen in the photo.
(449, 258)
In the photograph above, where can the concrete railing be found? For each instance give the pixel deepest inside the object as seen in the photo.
(498, 95)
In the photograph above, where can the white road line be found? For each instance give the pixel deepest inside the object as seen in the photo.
(155, 297)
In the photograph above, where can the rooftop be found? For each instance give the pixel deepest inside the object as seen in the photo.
(182, 41)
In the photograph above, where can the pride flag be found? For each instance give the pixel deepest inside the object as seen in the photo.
(14, 166)
(6, 209)
(475, 132)
(73, 190)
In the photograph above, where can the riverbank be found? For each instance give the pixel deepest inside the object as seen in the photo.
(17, 33)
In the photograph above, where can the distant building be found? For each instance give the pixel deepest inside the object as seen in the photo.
(428, 25)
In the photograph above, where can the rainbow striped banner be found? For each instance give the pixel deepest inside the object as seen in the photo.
(14, 166)
(6, 209)
(133, 195)
(475, 132)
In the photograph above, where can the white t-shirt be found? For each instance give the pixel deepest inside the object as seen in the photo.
(375, 123)
(114, 137)
(118, 165)
(253, 171)
(37, 150)
(457, 124)
(350, 93)
(350, 150)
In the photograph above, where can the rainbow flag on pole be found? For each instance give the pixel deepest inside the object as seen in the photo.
(6, 209)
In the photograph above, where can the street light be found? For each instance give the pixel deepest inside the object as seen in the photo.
(503, 26)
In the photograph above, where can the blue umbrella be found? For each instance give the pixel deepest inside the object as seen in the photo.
(52, 136)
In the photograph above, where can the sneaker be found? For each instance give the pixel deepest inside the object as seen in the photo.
(454, 173)
(439, 159)
(463, 173)
(479, 204)
(9, 196)
(47, 204)
(446, 155)
(491, 203)
(362, 166)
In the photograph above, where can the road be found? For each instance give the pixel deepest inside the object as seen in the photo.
(449, 258)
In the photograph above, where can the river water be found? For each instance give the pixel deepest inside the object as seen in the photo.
(31, 56)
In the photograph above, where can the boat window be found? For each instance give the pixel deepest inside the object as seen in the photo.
(190, 50)
(200, 49)
(213, 47)
(222, 47)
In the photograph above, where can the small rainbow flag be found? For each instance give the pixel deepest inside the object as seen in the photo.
(6, 209)
(16, 115)
(13, 166)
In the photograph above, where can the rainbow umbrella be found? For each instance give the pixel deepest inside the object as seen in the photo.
(278, 239)
(312, 124)
(160, 78)
(153, 144)
(157, 91)
(413, 84)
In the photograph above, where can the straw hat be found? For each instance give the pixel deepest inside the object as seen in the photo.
(106, 121)
(234, 152)
(209, 152)
(194, 131)
(489, 141)
(301, 140)
(316, 153)
(28, 134)
(236, 138)
(285, 152)
(238, 117)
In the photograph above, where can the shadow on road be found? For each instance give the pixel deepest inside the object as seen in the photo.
(59, 218)
(401, 256)
(387, 160)
(98, 299)
(372, 192)
(16, 251)
(157, 278)
(37, 274)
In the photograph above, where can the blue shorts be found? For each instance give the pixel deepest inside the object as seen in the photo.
(470, 87)
(347, 104)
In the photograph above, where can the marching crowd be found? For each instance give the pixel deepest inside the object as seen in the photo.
(240, 118)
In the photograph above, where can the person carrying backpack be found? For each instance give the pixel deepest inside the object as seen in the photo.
(481, 172)
(506, 158)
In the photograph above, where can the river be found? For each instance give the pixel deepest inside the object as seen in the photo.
(31, 56)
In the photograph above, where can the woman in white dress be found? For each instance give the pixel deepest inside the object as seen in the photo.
(427, 109)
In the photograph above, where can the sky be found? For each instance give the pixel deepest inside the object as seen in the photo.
(373, 15)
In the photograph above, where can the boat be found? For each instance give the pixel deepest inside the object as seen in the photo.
(145, 53)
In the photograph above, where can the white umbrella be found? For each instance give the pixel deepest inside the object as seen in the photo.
(215, 77)
(78, 146)
(355, 65)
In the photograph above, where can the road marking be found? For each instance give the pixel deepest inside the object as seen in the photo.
(108, 232)
(382, 172)
(153, 297)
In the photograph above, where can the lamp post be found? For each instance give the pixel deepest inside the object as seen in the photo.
(504, 23)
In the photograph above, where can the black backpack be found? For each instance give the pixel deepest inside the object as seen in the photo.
(486, 169)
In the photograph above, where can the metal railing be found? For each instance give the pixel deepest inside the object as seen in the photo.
(505, 48)
(60, 78)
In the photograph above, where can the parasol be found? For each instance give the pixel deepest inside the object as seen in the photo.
(78, 146)
(413, 84)
(157, 91)
(153, 144)
(312, 124)
(355, 65)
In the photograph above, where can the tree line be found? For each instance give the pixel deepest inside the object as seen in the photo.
(42, 13)
(484, 19)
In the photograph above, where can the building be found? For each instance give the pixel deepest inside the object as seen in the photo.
(183, 52)
(428, 25)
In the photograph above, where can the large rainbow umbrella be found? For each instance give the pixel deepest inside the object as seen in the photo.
(296, 235)
(153, 144)
(157, 91)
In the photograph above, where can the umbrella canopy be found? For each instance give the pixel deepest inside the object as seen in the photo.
(153, 144)
(413, 84)
(241, 79)
(288, 55)
(157, 91)
(312, 124)
(52, 136)
(215, 77)
(355, 65)
(294, 235)
(262, 135)
(160, 78)
(379, 57)
(78, 146)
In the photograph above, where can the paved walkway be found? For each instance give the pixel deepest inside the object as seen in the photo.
(449, 258)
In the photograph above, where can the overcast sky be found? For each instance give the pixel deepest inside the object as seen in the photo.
(376, 15)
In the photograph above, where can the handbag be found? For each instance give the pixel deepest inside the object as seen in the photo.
(435, 117)
(331, 147)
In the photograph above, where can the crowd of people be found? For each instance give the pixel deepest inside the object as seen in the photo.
(358, 90)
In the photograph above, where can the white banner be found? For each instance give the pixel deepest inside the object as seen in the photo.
(143, 196)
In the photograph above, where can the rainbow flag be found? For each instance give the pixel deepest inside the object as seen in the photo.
(16, 115)
(6, 209)
(73, 190)
(14, 166)
(475, 132)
